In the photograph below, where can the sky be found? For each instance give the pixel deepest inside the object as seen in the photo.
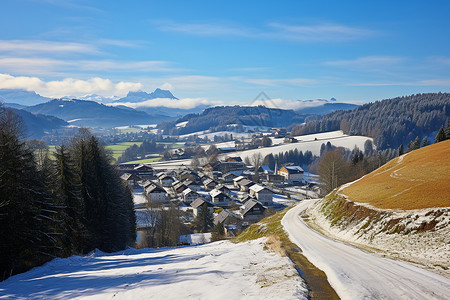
(229, 51)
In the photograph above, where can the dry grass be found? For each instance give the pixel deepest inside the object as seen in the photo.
(417, 180)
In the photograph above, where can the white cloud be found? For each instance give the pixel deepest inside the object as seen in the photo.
(184, 103)
(367, 62)
(24, 46)
(320, 33)
(299, 33)
(46, 66)
(68, 86)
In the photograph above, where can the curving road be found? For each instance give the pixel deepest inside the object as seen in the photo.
(356, 274)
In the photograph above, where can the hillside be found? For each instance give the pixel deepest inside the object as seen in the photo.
(219, 117)
(389, 122)
(93, 114)
(36, 125)
(401, 210)
(417, 180)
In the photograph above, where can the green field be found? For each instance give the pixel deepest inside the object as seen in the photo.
(120, 148)
(144, 161)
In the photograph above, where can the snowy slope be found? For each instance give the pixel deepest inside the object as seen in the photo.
(220, 270)
(356, 274)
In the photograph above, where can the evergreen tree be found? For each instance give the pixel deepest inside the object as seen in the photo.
(425, 142)
(441, 136)
(401, 150)
(204, 219)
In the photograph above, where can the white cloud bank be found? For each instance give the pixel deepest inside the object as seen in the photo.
(68, 86)
(184, 103)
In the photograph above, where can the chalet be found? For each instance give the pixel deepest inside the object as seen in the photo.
(209, 167)
(223, 189)
(165, 180)
(198, 203)
(281, 133)
(209, 183)
(189, 195)
(226, 217)
(146, 183)
(293, 174)
(184, 175)
(252, 211)
(234, 158)
(245, 184)
(156, 193)
(234, 167)
(143, 171)
(219, 198)
(246, 197)
(275, 178)
(237, 180)
(262, 194)
(130, 178)
(178, 187)
(265, 169)
(228, 177)
(192, 185)
(288, 140)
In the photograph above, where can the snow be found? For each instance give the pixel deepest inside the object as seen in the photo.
(139, 199)
(356, 274)
(309, 143)
(196, 238)
(219, 270)
(181, 124)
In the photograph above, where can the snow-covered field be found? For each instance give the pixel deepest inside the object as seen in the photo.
(220, 270)
(311, 142)
(357, 274)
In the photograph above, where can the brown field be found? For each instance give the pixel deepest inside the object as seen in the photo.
(417, 180)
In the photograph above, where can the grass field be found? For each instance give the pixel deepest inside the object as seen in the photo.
(420, 179)
(120, 148)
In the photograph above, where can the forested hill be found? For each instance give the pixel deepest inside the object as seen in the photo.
(390, 122)
(217, 118)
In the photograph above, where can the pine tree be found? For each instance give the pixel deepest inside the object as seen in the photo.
(204, 219)
(401, 150)
(425, 142)
(441, 136)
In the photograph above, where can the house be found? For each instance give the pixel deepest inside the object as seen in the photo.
(234, 167)
(252, 211)
(288, 140)
(226, 217)
(228, 177)
(265, 169)
(223, 189)
(189, 195)
(193, 185)
(209, 183)
(165, 180)
(143, 170)
(130, 178)
(156, 193)
(197, 206)
(281, 133)
(237, 180)
(246, 197)
(219, 198)
(275, 178)
(262, 194)
(178, 187)
(245, 184)
(234, 158)
(293, 174)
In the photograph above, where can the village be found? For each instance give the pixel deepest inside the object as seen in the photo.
(235, 194)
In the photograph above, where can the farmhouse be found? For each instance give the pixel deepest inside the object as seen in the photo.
(197, 206)
(130, 178)
(252, 211)
(262, 194)
(219, 198)
(189, 196)
(209, 183)
(165, 180)
(293, 174)
(156, 193)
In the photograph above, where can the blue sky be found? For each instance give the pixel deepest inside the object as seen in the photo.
(229, 51)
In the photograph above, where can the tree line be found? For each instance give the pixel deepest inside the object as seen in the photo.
(70, 204)
(391, 122)
(134, 152)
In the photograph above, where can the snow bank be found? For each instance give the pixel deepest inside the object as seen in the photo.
(220, 270)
